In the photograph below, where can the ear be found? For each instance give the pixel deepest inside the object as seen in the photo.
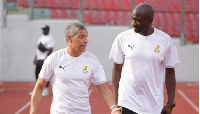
(68, 38)
(151, 20)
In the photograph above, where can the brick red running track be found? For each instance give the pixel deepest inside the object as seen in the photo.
(14, 99)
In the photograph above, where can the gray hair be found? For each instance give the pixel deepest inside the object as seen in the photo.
(72, 28)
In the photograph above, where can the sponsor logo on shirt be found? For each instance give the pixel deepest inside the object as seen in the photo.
(131, 46)
(157, 49)
(85, 70)
(62, 67)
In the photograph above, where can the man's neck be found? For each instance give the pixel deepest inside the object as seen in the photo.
(72, 52)
(148, 31)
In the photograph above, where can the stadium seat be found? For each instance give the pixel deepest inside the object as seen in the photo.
(138, 2)
(86, 5)
(156, 21)
(54, 13)
(195, 27)
(171, 20)
(50, 3)
(63, 13)
(73, 14)
(23, 3)
(163, 20)
(96, 17)
(58, 4)
(88, 17)
(111, 5)
(122, 18)
(67, 4)
(75, 4)
(126, 5)
(11, 0)
(39, 3)
(103, 5)
(188, 27)
(114, 17)
(107, 16)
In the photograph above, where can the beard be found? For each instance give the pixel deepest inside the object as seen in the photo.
(136, 29)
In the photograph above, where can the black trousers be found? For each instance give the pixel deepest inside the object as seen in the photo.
(39, 64)
(127, 111)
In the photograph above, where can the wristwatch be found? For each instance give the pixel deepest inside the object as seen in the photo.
(171, 103)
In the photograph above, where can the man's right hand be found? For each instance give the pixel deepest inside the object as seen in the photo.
(116, 110)
(34, 62)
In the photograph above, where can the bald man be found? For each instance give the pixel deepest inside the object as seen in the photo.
(141, 57)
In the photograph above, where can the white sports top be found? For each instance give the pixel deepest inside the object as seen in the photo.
(48, 42)
(70, 78)
(144, 59)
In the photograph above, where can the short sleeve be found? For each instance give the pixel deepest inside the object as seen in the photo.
(50, 43)
(116, 51)
(171, 57)
(98, 75)
(47, 69)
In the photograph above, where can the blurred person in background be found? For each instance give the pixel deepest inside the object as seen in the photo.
(45, 47)
(70, 71)
(141, 57)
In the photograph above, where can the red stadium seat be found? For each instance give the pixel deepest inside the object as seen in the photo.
(111, 5)
(67, 4)
(63, 14)
(107, 17)
(188, 28)
(171, 19)
(103, 5)
(50, 3)
(39, 3)
(11, 0)
(73, 14)
(156, 20)
(86, 5)
(88, 17)
(23, 3)
(195, 27)
(126, 5)
(122, 18)
(58, 4)
(114, 15)
(54, 13)
(163, 20)
(75, 4)
(96, 17)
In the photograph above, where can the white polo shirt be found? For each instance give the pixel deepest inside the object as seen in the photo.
(71, 78)
(144, 59)
(48, 42)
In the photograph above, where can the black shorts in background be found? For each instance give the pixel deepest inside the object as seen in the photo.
(127, 111)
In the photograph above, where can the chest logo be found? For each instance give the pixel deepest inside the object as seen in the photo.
(62, 67)
(157, 49)
(85, 71)
(131, 46)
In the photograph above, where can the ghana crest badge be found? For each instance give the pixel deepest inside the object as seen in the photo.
(157, 49)
(85, 70)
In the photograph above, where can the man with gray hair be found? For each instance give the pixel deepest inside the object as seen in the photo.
(70, 71)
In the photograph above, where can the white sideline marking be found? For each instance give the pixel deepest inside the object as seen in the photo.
(188, 100)
(90, 92)
(1, 90)
(27, 104)
(24, 107)
(192, 84)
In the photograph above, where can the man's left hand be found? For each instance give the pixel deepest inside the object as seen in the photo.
(167, 109)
